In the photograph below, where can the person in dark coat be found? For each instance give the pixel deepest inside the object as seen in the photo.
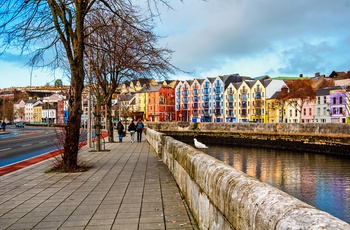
(139, 128)
(132, 130)
(120, 128)
(3, 126)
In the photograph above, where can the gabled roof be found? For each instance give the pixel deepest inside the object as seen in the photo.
(326, 91)
(30, 101)
(211, 79)
(125, 97)
(274, 96)
(266, 82)
(251, 83)
(337, 74)
(200, 81)
(154, 88)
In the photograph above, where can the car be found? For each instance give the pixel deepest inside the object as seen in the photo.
(19, 125)
(9, 123)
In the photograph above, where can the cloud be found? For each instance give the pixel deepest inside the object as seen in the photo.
(14, 58)
(207, 35)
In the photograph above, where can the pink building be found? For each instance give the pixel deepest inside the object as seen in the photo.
(307, 113)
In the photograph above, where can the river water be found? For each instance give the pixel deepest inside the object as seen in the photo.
(322, 181)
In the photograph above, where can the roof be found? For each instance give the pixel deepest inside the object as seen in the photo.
(285, 78)
(326, 91)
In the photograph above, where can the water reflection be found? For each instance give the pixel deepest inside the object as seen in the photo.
(319, 180)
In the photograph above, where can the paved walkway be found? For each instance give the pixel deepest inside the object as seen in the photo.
(126, 188)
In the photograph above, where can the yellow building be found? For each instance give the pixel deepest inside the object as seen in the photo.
(37, 113)
(257, 101)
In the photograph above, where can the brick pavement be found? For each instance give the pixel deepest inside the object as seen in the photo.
(126, 188)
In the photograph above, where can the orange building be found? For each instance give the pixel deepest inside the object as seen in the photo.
(161, 104)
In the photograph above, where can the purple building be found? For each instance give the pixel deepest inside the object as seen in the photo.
(338, 106)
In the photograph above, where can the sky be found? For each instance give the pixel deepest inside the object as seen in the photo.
(252, 38)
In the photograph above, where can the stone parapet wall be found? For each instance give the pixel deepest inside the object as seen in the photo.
(221, 197)
(318, 138)
(295, 128)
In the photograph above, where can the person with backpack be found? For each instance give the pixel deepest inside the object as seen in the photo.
(139, 128)
(120, 128)
(132, 129)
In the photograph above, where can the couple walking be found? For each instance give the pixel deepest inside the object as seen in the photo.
(138, 127)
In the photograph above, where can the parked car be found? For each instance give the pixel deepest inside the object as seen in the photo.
(19, 125)
(9, 123)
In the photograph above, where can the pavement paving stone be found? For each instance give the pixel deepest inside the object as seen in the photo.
(125, 188)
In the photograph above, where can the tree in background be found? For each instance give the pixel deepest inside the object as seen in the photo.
(299, 91)
(120, 50)
(282, 98)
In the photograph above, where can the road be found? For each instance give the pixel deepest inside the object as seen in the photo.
(24, 143)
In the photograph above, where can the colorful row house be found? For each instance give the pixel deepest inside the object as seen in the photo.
(229, 98)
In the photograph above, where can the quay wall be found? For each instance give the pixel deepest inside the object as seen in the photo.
(320, 138)
(221, 197)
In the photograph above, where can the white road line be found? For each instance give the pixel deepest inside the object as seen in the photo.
(26, 145)
(42, 142)
(1, 150)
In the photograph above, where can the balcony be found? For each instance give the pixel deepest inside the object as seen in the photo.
(257, 90)
(243, 91)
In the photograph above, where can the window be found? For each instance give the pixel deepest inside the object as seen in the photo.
(324, 100)
(334, 100)
(318, 100)
(304, 111)
(310, 111)
(340, 100)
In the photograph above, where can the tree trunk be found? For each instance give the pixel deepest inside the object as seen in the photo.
(98, 125)
(76, 63)
(71, 145)
(110, 122)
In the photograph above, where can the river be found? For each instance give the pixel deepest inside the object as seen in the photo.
(322, 181)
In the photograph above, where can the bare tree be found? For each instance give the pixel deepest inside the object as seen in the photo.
(119, 50)
(37, 27)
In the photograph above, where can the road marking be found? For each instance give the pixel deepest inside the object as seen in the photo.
(1, 150)
(26, 145)
(42, 142)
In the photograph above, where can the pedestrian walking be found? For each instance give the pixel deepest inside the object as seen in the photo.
(132, 130)
(139, 128)
(3, 125)
(120, 128)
